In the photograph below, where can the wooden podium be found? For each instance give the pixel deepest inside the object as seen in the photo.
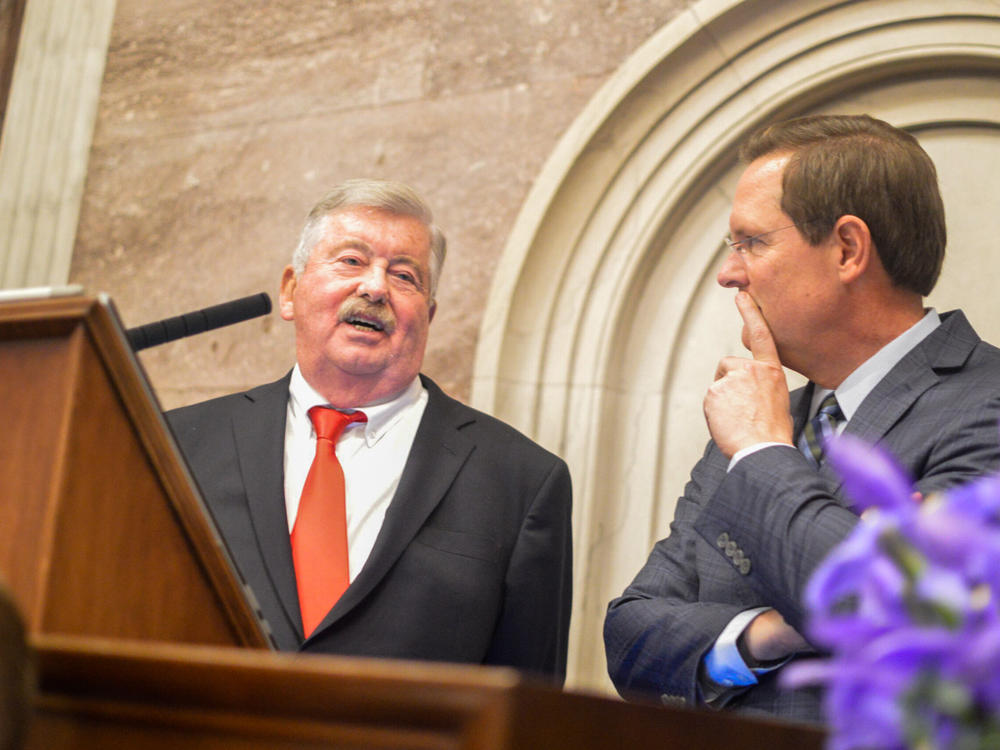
(144, 696)
(102, 531)
(131, 598)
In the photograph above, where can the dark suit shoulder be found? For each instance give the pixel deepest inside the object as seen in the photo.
(482, 427)
(223, 405)
(955, 344)
(966, 363)
(201, 429)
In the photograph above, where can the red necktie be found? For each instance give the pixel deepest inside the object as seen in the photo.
(319, 536)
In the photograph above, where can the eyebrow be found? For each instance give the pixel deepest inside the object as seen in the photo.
(743, 231)
(352, 243)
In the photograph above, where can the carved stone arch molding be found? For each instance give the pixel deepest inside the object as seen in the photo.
(604, 322)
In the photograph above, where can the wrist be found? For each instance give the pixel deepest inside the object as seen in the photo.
(750, 660)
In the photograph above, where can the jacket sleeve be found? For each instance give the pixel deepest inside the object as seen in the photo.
(657, 632)
(532, 631)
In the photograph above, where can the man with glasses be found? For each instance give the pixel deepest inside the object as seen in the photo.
(837, 234)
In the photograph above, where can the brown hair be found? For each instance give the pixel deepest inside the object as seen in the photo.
(858, 165)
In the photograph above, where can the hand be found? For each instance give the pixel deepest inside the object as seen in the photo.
(748, 402)
(769, 638)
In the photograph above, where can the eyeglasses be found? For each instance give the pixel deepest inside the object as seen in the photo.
(747, 244)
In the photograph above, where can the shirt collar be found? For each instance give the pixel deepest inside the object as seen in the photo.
(863, 380)
(381, 417)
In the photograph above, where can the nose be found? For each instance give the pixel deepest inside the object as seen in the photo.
(733, 272)
(373, 286)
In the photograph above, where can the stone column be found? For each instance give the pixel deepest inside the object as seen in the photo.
(46, 136)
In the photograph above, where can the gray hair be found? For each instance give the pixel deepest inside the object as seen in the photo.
(394, 197)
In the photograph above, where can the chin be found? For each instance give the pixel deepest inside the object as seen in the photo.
(361, 368)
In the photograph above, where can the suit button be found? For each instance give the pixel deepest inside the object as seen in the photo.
(722, 540)
(745, 566)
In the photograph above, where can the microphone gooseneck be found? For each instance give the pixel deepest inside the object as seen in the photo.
(199, 321)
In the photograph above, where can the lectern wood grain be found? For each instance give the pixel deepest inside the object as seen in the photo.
(102, 531)
(160, 696)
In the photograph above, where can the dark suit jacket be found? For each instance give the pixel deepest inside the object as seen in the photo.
(937, 411)
(473, 561)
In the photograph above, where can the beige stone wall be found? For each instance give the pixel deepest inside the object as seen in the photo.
(220, 124)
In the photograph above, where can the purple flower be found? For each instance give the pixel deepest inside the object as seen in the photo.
(872, 477)
(908, 606)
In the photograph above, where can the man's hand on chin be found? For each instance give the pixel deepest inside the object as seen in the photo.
(748, 402)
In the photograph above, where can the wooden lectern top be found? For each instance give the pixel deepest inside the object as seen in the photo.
(102, 529)
(98, 694)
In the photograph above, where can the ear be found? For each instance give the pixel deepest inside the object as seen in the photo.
(286, 307)
(855, 249)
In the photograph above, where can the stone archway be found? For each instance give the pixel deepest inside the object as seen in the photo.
(604, 323)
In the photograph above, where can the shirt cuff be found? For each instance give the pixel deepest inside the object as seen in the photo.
(741, 454)
(723, 664)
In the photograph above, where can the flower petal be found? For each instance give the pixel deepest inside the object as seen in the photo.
(872, 477)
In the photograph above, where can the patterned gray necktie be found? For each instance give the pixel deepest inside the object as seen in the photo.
(820, 428)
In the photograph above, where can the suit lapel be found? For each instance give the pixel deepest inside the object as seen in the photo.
(258, 430)
(800, 402)
(439, 451)
(947, 347)
(892, 397)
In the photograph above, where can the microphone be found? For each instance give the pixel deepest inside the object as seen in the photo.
(198, 321)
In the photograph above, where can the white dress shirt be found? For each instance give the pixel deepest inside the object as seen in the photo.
(372, 454)
(723, 663)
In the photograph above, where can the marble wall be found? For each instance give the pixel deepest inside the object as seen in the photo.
(220, 124)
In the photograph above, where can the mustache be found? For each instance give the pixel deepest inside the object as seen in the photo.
(359, 310)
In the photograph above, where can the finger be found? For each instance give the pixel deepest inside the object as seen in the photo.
(728, 364)
(762, 345)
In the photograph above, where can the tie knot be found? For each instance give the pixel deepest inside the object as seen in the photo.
(820, 428)
(329, 423)
(830, 408)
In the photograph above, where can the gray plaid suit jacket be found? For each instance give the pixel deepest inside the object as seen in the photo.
(937, 411)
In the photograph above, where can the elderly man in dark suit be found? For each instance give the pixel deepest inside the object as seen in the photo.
(450, 536)
(837, 234)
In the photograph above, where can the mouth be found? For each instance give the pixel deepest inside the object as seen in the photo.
(364, 316)
(365, 324)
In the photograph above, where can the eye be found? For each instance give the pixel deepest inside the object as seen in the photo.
(406, 276)
(750, 243)
(737, 246)
(350, 261)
